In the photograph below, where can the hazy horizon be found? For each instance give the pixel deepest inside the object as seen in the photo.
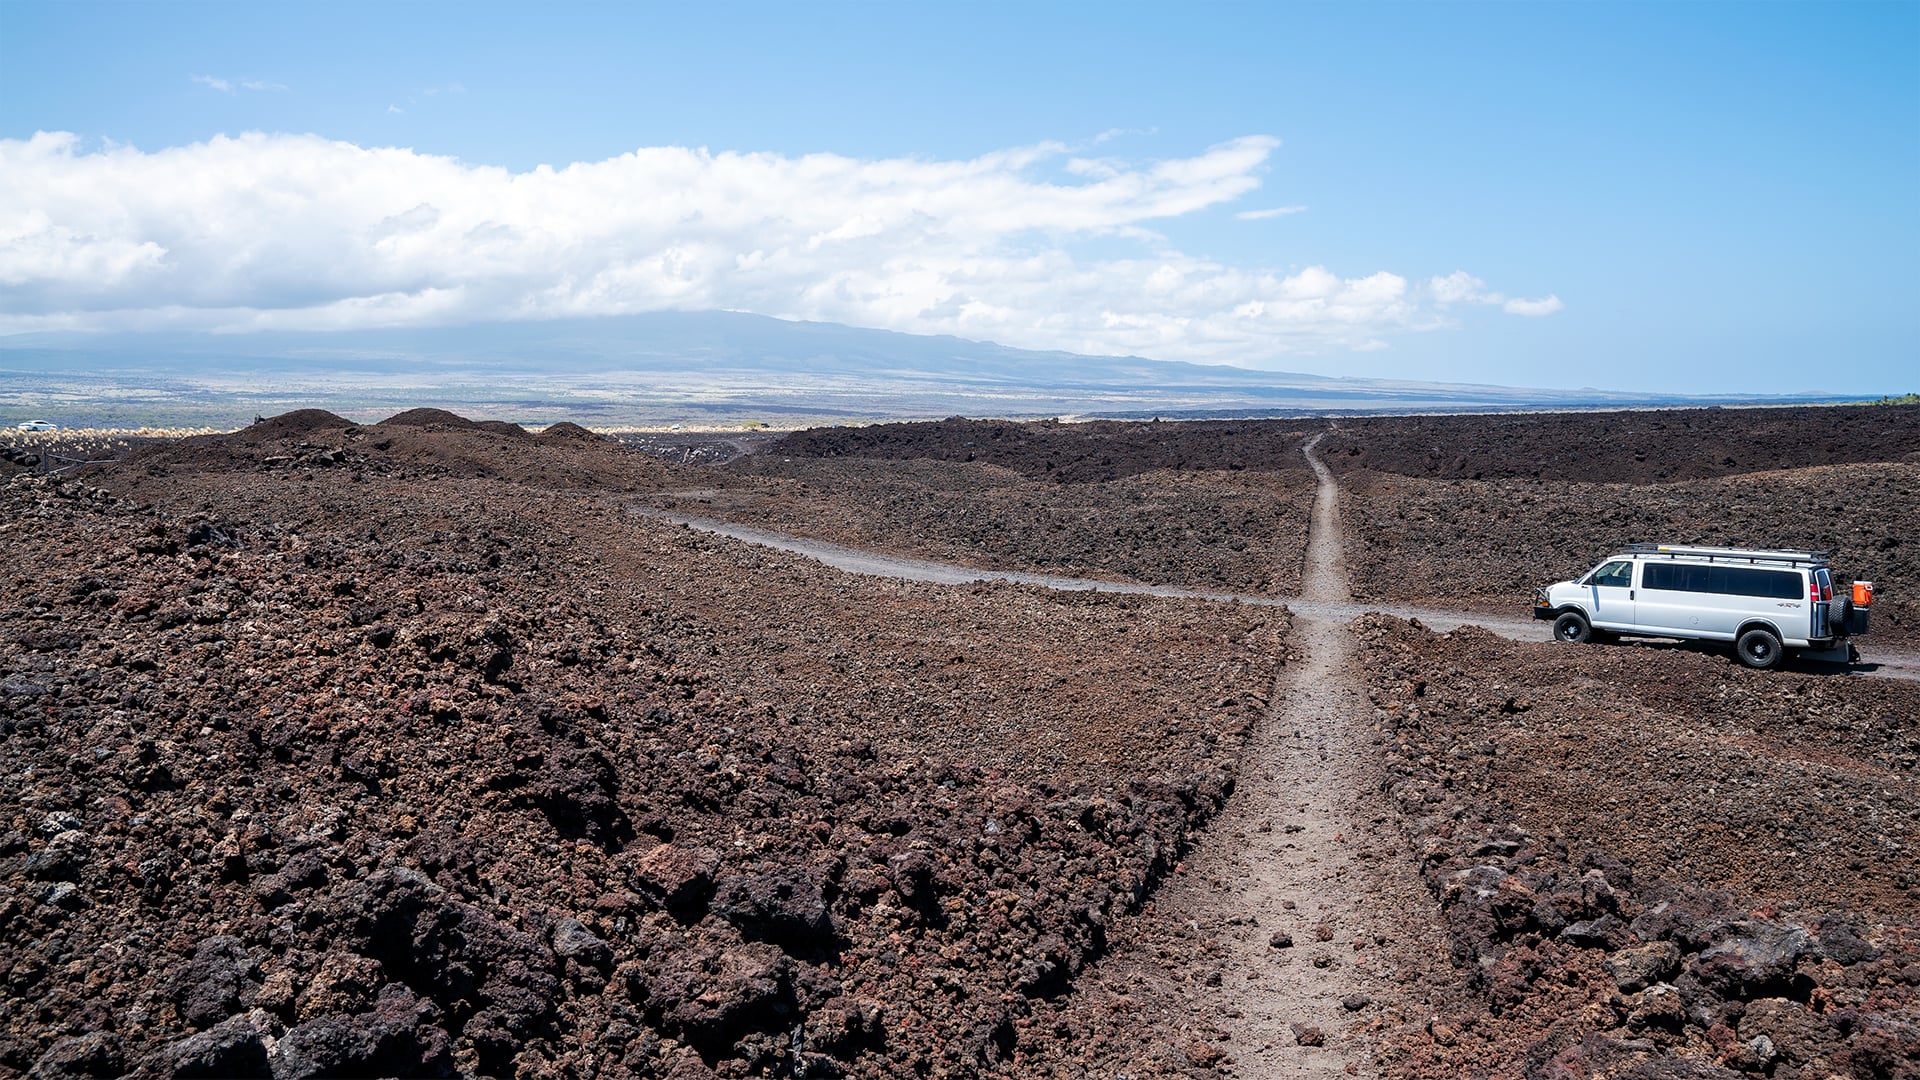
(703, 368)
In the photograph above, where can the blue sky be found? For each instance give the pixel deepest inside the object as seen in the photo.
(1669, 197)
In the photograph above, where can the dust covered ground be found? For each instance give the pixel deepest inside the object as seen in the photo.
(409, 749)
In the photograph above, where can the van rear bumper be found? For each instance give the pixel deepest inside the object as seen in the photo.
(1841, 652)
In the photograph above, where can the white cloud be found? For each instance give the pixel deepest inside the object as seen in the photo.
(228, 86)
(1461, 287)
(1270, 212)
(1522, 306)
(394, 110)
(295, 231)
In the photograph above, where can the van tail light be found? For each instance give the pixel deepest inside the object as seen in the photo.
(1863, 594)
(1813, 591)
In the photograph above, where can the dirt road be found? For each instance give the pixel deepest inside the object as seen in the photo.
(879, 564)
(1318, 605)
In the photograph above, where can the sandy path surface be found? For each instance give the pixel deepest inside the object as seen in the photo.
(1312, 920)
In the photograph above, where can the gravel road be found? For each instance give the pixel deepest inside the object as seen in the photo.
(876, 564)
(1312, 607)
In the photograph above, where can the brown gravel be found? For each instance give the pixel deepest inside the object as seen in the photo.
(1068, 453)
(1639, 447)
(1649, 860)
(411, 750)
(1220, 505)
(1238, 531)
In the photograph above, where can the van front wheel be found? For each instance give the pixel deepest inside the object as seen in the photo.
(1760, 649)
(1573, 627)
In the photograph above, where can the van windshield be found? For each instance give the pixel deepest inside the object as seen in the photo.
(1617, 573)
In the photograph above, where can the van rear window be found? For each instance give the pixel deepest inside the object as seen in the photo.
(1726, 580)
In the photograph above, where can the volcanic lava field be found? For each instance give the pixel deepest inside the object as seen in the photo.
(441, 748)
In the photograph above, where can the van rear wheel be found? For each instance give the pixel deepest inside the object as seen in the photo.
(1759, 649)
(1573, 627)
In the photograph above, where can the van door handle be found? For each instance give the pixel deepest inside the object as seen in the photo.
(1633, 594)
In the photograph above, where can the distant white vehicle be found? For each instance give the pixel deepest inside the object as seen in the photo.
(39, 425)
(1768, 604)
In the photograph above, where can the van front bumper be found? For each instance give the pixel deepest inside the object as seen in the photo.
(1542, 606)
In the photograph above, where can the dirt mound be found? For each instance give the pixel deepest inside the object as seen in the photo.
(1626, 447)
(408, 452)
(1069, 453)
(1634, 868)
(568, 431)
(504, 427)
(293, 425)
(427, 418)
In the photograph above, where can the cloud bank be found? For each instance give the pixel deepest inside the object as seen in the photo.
(299, 232)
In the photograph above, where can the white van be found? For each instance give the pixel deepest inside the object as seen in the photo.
(1769, 604)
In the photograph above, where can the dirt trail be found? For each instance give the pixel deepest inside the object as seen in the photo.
(1294, 860)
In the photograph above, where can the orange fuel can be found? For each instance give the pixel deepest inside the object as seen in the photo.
(1863, 594)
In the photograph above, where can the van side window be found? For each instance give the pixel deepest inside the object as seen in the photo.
(1676, 577)
(1618, 573)
(1746, 581)
(1724, 580)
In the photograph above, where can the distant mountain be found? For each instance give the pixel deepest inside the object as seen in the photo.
(691, 367)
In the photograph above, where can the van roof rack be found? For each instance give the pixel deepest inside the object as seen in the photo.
(1731, 554)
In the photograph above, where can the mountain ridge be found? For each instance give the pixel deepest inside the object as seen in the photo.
(712, 366)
